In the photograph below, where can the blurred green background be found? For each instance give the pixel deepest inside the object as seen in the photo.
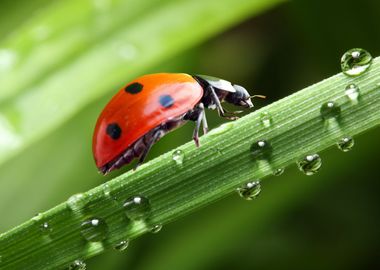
(327, 221)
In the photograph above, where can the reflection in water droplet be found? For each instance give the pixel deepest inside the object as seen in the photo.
(156, 228)
(77, 201)
(261, 149)
(8, 59)
(178, 156)
(77, 265)
(250, 190)
(310, 164)
(352, 92)
(122, 245)
(346, 143)
(137, 207)
(94, 229)
(355, 62)
(278, 171)
(330, 110)
(266, 119)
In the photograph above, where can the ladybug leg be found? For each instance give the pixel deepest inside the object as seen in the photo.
(204, 123)
(198, 121)
(221, 112)
(155, 137)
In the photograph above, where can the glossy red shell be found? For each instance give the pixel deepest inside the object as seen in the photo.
(138, 113)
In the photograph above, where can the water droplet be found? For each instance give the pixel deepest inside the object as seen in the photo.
(330, 110)
(352, 92)
(346, 143)
(77, 201)
(278, 171)
(94, 229)
(8, 59)
(310, 164)
(37, 217)
(77, 265)
(355, 62)
(261, 149)
(122, 245)
(156, 228)
(250, 191)
(1, 259)
(45, 228)
(178, 156)
(106, 189)
(266, 119)
(137, 207)
(222, 129)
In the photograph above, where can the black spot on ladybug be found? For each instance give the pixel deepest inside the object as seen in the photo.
(134, 88)
(166, 101)
(114, 131)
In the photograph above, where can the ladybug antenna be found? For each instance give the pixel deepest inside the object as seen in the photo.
(258, 96)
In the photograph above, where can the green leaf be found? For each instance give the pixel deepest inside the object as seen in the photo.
(223, 163)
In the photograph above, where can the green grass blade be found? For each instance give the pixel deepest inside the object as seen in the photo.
(223, 163)
(83, 57)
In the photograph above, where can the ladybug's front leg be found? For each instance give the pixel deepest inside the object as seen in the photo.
(219, 107)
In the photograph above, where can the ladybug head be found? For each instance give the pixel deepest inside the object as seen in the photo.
(240, 97)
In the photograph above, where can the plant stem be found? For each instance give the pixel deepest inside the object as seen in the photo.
(222, 163)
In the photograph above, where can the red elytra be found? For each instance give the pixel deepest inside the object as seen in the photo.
(152, 105)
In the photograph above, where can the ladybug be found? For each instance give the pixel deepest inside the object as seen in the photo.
(150, 106)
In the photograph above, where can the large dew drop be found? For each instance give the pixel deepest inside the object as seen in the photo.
(346, 143)
(137, 207)
(310, 164)
(330, 110)
(355, 62)
(122, 245)
(94, 229)
(261, 149)
(250, 191)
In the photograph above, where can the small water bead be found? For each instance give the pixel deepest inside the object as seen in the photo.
(45, 228)
(346, 143)
(37, 217)
(94, 229)
(122, 245)
(222, 129)
(178, 156)
(250, 190)
(77, 265)
(352, 92)
(310, 164)
(156, 228)
(278, 171)
(261, 149)
(137, 207)
(106, 189)
(266, 119)
(330, 110)
(355, 62)
(77, 201)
